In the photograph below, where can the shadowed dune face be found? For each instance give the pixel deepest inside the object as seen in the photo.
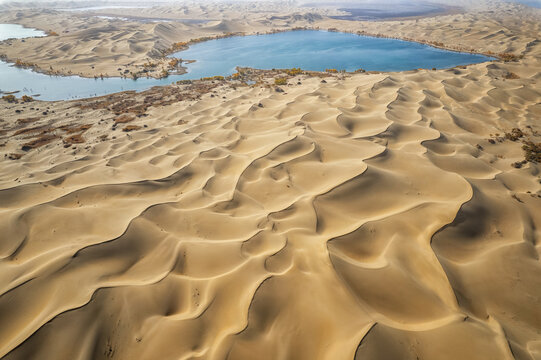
(370, 217)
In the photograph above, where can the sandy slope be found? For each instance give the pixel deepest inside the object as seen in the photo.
(369, 217)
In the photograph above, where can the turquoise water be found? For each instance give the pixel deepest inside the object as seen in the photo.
(309, 50)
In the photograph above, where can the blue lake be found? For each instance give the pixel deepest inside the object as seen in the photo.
(309, 50)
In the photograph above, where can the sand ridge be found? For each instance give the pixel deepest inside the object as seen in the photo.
(370, 216)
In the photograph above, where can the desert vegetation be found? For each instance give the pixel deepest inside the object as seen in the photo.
(213, 78)
(532, 151)
(508, 57)
(183, 45)
(129, 128)
(511, 76)
(24, 64)
(73, 140)
(39, 141)
(294, 71)
(9, 98)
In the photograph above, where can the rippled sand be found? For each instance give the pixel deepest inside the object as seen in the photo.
(374, 216)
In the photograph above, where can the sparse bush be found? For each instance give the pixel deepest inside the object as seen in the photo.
(212, 78)
(532, 151)
(27, 98)
(178, 46)
(294, 71)
(40, 141)
(131, 128)
(511, 76)
(9, 98)
(332, 71)
(280, 81)
(70, 129)
(514, 135)
(507, 57)
(73, 139)
(20, 63)
(15, 156)
(52, 33)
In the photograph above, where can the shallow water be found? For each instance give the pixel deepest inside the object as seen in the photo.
(15, 31)
(309, 50)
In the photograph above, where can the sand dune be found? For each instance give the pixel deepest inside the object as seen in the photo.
(373, 216)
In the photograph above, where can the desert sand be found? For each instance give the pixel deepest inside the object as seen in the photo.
(366, 216)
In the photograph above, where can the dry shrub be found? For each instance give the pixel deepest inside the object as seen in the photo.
(73, 139)
(14, 156)
(9, 98)
(532, 151)
(294, 71)
(28, 120)
(514, 135)
(507, 57)
(212, 78)
(38, 129)
(40, 141)
(75, 129)
(511, 76)
(131, 128)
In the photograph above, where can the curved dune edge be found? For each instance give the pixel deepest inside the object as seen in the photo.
(368, 217)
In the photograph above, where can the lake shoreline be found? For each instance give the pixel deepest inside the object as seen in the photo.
(168, 54)
(411, 55)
